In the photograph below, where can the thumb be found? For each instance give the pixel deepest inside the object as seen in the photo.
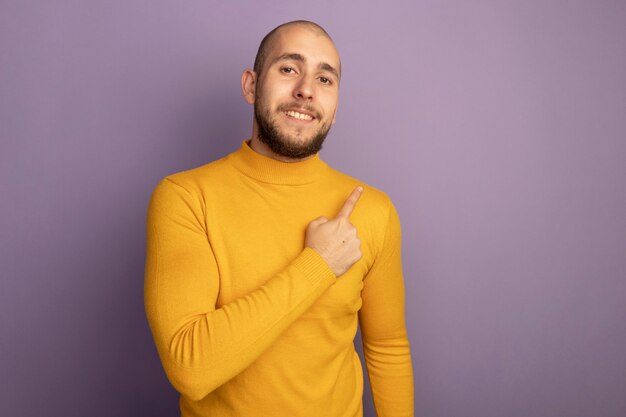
(319, 220)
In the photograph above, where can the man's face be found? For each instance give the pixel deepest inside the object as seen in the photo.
(297, 92)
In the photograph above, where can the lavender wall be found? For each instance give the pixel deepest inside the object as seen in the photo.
(497, 127)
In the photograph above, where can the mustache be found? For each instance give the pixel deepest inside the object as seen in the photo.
(302, 106)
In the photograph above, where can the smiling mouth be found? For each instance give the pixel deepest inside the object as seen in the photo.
(300, 116)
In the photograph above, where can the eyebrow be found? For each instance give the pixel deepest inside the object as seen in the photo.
(298, 57)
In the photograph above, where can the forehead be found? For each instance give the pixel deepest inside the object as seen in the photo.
(312, 44)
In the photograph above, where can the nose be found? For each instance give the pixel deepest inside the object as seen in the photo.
(304, 89)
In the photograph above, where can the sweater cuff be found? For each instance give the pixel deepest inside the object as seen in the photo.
(314, 267)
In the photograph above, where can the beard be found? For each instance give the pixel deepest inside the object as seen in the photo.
(285, 145)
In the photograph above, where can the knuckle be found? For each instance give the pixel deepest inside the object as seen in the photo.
(317, 221)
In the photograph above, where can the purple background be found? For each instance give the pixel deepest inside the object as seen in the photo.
(498, 128)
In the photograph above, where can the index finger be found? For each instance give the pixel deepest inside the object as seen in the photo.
(350, 203)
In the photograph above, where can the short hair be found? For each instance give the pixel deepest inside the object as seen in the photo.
(264, 47)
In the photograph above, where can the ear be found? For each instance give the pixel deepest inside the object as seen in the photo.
(248, 85)
(334, 117)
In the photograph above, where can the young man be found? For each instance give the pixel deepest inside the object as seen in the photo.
(260, 265)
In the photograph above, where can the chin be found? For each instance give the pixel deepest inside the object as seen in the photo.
(275, 135)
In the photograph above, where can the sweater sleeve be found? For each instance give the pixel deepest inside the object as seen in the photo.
(200, 346)
(383, 330)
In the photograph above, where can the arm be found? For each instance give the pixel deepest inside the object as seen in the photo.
(201, 346)
(383, 330)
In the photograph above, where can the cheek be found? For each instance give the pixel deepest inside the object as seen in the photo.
(330, 108)
(272, 98)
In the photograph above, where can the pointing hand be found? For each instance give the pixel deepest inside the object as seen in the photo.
(336, 240)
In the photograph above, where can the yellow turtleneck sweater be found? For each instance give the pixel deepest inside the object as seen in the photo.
(247, 322)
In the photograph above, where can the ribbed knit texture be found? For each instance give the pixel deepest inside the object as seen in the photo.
(248, 322)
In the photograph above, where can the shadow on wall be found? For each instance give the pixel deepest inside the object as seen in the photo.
(202, 131)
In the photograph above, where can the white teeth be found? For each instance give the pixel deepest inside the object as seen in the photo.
(298, 115)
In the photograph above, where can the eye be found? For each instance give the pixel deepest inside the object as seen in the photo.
(287, 70)
(325, 80)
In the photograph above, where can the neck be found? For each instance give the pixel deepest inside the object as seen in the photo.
(270, 170)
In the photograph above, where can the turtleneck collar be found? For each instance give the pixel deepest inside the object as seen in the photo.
(266, 169)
